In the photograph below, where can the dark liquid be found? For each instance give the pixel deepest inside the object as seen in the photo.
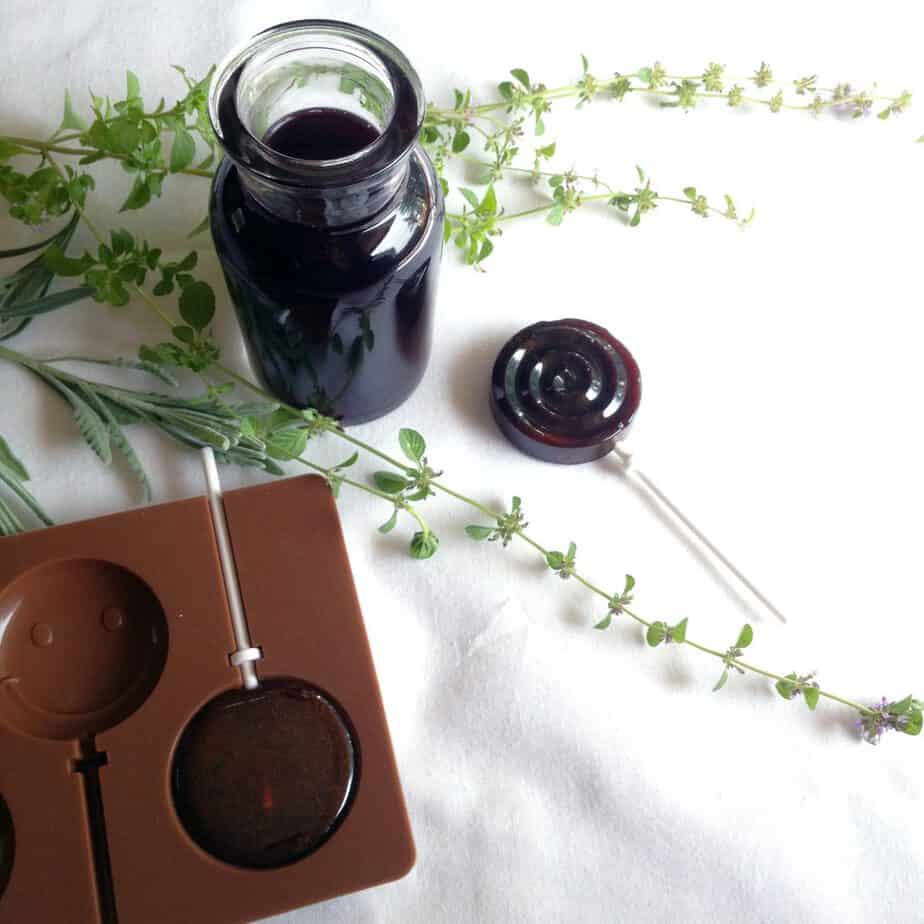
(263, 777)
(320, 134)
(335, 318)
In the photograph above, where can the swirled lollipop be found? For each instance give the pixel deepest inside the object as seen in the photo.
(567, 392)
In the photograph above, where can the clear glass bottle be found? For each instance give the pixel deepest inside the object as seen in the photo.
(327, 215)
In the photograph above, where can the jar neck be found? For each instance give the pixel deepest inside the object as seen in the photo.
(295, 73)
(331, 206)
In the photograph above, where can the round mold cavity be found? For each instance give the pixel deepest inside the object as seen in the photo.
(262, 778)
(83, 643)
(7, 846)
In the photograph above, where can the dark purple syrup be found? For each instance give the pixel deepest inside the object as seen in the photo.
(335, 317)
(263, 777)
(320, 134)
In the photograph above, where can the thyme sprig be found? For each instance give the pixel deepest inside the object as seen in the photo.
(153, 143)
(268, 433)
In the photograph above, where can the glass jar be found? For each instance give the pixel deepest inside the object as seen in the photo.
(327, 215)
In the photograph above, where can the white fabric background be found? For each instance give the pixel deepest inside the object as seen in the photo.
(554, 773)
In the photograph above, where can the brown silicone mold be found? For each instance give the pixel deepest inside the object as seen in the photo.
(136, 772)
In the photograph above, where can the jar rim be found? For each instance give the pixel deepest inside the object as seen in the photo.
(243, 147)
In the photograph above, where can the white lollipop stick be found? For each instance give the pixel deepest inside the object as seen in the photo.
(245, 655)
(642, 479)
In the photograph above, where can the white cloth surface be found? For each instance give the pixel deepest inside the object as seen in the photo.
(554, 773)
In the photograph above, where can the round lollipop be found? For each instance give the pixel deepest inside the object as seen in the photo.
(263, 775)
(567, 392)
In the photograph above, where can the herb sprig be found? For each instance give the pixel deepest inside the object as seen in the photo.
(13, 476)
(267, 433)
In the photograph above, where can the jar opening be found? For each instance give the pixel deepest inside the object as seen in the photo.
(327, 103)
(313, 101)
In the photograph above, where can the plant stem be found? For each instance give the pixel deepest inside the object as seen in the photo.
(333, 473)
(48, 147)
(330, 472)
(605, 87)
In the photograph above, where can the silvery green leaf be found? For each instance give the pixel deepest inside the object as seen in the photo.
(412, 444)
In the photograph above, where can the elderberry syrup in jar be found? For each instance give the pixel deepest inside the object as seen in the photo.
(327, 215)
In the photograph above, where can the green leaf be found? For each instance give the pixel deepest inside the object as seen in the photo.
(9, 522)
(62, 265)
(605, 622)
(346, 463)
(656, 634)
(45, 304)
(122, 241)
(389, 482)
(745, 637)
(630, 584)
(11, 461)
(118, 439)
(521, 75)
(123, 136)
(786, 687)
(183, 333)
(197, 304)
(556, 215)
(70, 119)
(644, 74)
(555, 560)
(390, 523)
(460, 142)
(914, 723)
(28, 248)
(286, 444)
(138, 197)
(811, 696)
(679, 632)
(900, 707)
(424, 545)
(690, 192)
(132, 85)
(721, 681)
(479, 533)
(505, 88)
(412, 444)
(488, 205)
(92, 428)
(183, 150)
(470, 197)
(141, 365)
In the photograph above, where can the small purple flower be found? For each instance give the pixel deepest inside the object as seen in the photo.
(872, 725)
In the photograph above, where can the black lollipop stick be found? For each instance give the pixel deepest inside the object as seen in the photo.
(567, 392)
